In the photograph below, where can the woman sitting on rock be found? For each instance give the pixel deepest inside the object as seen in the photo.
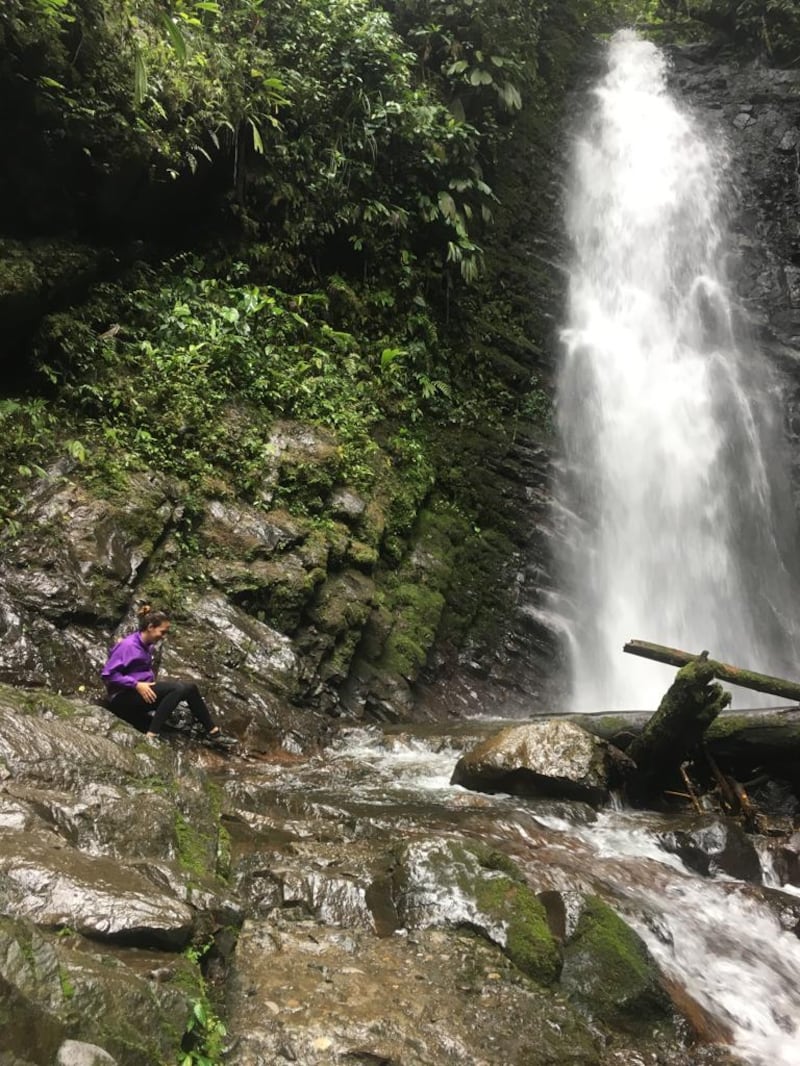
(133, 692)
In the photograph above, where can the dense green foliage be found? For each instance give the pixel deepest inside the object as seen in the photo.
(193, 380)
(770, 27)
(345, 152)
(331, 130)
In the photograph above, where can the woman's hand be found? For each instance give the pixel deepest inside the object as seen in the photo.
(146, 691)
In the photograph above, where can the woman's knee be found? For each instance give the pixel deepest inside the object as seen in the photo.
(182, 689)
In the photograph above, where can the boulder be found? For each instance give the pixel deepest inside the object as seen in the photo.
(553, 758)
(76, 568)
(59, 1002)
(609, 972)
(714, 845)
(57, 887)
(458, 885)
(77, 1053)
(59, 752)
(247, 532)
(787, 860)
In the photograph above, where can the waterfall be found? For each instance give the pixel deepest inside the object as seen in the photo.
(671, 490)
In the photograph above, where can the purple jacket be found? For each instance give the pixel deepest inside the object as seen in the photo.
(130, 662)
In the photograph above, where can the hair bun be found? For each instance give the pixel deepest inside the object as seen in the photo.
(144, 609)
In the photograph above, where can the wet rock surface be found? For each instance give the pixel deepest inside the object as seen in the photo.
(554, 758)
(430, 997)
(325, 907)
(715, 845)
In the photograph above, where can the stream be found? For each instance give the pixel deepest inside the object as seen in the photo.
(723, 943)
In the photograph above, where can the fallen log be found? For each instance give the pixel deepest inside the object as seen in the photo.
(675, 731)
(760, 733)
(735, 675)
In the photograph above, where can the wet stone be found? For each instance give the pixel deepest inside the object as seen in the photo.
(76, 1053)
(712, 845)
(553, 758)
(56, 886)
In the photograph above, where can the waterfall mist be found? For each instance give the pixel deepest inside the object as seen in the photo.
(676, 507)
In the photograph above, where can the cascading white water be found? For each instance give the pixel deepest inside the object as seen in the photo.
(669, 490)
(719, 940)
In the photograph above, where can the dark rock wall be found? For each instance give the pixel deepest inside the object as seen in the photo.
(757, 111)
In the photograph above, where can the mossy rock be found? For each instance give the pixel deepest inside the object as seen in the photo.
(449, 883)
(610, 974)
(343, 602)
(362, 555)
(416, 610)
(276, 591)
(51, 991)
(40, 702)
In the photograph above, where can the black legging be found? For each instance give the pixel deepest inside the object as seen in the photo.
(128, 704)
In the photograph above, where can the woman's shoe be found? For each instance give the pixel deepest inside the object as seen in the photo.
(220, 739)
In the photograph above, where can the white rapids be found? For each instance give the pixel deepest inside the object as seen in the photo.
(716, 937)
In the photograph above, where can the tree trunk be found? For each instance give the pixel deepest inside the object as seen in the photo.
(689, 706)
(775, 686)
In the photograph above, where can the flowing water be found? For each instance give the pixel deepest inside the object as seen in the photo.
(718, 938)
(671, 486)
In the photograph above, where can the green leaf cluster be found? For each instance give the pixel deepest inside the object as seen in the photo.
(197, 368)
(205, 1033)
(203, 1042)
(339, 131)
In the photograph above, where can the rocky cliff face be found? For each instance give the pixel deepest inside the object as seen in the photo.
(756, 109)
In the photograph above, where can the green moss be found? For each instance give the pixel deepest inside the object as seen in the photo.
(39, 701)
(67, 987)
(196, 850)
(609, 971)
(726, 725)
(224, 855)
(415, 610)
(337, 664)
(343, 602)
(362, 555)
(491, 859)
(529, 942)
(414, 597)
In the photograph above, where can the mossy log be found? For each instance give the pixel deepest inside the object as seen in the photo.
(774, 686)
(688, 708)
(746, 727)
(745, 743)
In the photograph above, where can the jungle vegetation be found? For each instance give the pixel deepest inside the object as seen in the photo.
(217, 213)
